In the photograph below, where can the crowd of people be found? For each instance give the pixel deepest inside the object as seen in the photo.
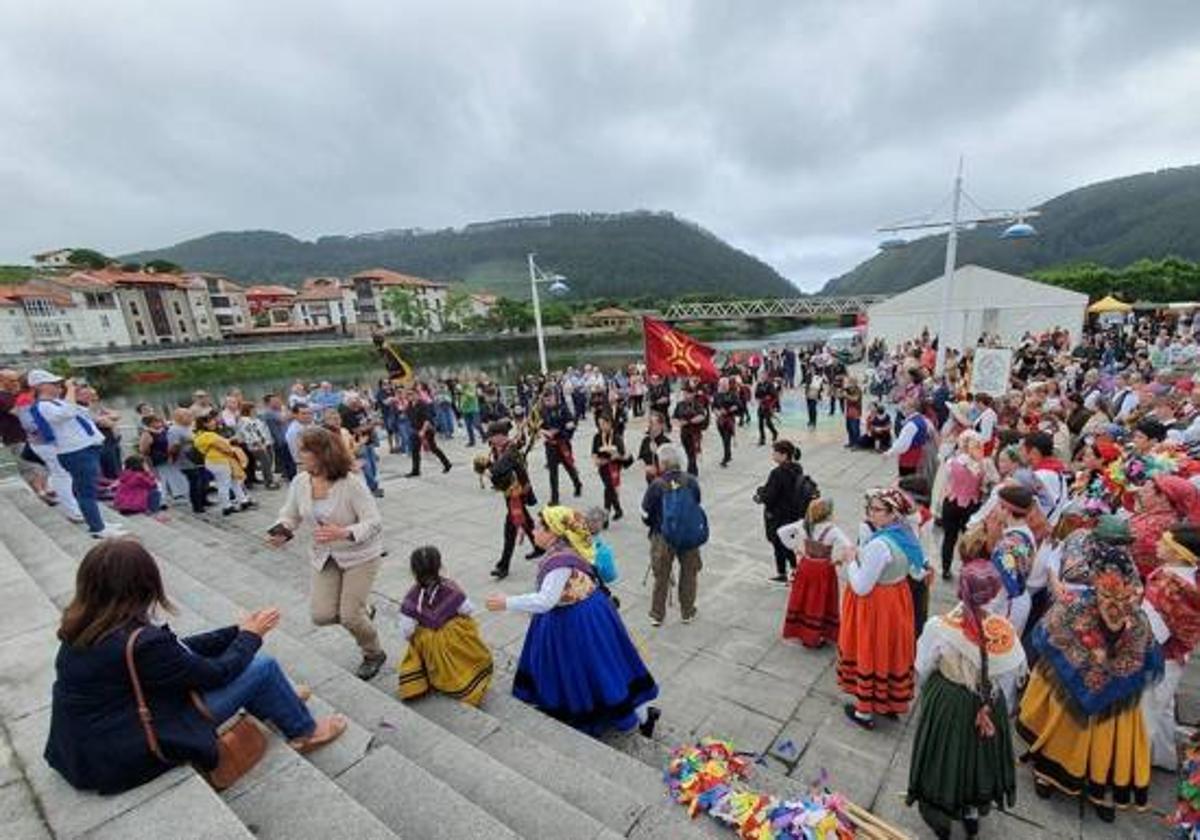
(1067, 508)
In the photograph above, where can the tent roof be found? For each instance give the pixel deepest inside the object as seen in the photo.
(976, 287)
(1108, 303)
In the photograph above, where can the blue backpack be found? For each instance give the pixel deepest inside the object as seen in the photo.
(605, 564)
(684, 523)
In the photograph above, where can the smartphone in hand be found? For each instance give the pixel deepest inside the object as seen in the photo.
(280, 530)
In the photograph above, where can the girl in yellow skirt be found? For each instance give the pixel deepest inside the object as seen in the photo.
(1081, 713)
(877, 639)
(445, 652)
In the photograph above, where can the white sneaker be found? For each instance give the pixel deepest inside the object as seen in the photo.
(110, 531)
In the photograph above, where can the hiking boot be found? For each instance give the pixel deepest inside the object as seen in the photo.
(370, 665)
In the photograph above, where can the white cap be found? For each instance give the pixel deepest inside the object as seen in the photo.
(37, 376)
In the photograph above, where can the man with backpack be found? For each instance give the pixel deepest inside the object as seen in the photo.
(678, 527)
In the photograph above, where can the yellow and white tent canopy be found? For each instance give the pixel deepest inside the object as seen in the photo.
(1108, 304)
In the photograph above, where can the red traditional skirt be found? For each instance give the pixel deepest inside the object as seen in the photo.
(812, 609)
(876, 648)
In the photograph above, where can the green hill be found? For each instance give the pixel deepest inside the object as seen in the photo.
(1112, 223)
(622, 255)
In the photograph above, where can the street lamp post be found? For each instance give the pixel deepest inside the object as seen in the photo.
(1018, 230)
(537, 276)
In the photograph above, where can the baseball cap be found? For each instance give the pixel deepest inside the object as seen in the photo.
(37, 376)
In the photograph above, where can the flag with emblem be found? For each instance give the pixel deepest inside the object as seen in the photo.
(670, 352)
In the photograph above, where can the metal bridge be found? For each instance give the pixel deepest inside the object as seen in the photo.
(802, 307)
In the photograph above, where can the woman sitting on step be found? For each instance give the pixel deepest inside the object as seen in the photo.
(578, 664)
(192, 685)
(445, 651)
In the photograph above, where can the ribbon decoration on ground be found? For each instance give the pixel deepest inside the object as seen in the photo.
(711, 776)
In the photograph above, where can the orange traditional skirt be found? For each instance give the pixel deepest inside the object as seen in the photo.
(876, 648)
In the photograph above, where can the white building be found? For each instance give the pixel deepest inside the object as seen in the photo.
(54, 259)
(60, 314)
(324, 302)
(981, 301)
(371, 287)
(159, 308)
(227, 301)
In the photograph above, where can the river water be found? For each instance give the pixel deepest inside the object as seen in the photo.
(503, 368)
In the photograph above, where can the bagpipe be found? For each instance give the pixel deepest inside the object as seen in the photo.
(400, 372)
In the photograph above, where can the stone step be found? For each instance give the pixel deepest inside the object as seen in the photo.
(177, 804)
(525, 806)
(618, 786)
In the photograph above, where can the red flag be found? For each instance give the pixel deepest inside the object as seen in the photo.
(670, 352)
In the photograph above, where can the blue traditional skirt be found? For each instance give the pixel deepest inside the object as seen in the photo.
(579, 665)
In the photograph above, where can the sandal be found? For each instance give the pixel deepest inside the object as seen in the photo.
(303, 693)
(328, 729)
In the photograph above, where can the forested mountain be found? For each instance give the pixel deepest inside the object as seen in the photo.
(1112, 223)
(622, 255)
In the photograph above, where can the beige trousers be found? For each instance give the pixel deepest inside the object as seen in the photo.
(339, 596)
(662, 557)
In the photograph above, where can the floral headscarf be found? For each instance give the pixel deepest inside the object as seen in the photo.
(897, 501)
(569, 524)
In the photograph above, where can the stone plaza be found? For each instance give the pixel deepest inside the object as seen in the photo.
(728, 674)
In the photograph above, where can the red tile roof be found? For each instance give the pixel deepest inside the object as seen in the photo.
(321, 288)
(269, 291)
(36, 289)
(384, 277)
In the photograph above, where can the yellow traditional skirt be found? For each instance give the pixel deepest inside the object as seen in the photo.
(452, 660)
(1101, 755)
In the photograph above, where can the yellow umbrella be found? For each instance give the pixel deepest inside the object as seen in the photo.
(1108, 304)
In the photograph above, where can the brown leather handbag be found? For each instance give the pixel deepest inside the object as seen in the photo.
(240, 745)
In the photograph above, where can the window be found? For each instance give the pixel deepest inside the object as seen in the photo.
(39, 307)
(182, 325)
(104, 322)
(178, 311)
(141, 329)
(133, 310)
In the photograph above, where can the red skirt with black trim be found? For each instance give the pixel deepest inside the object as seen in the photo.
(812, 609)
(877, 647)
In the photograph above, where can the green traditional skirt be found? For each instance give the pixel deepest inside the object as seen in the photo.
(952, 767)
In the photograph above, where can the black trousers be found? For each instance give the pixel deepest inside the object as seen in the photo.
(920, 600)
(954, 522)
(554, 460)
(612, 499)
(510, 537)
(766, 420)
(690, 449)
(636, 402)
(197, 479)
(812, 411)
(726, 441)
(785, 558)
(431, 440)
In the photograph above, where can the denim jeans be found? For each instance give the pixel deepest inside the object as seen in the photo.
(84, 467)
(264, 691)
(370, 466)
(405, 433)
(471, 421)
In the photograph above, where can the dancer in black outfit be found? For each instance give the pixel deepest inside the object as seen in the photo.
(557, 427)
(692, 414)
(420, 416)
(767, 396)
(725, 406)
(608, 453)
(510, 477)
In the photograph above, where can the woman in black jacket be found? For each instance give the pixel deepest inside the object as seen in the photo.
(782, 502)
(96, 739)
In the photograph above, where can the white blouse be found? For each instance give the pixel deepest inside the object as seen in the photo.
(547, 596)
(408, 625)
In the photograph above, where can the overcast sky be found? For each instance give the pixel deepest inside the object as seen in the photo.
(789, 128)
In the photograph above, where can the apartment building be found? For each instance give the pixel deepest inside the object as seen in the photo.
(371, 287)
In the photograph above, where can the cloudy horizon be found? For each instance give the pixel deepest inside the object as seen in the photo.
(791, 131)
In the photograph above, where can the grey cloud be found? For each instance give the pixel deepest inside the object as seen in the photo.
(790, 129)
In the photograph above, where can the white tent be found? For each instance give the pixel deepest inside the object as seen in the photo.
(981, 301)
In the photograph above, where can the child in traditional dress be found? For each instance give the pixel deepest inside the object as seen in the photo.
(445, 651)
(812, 610)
